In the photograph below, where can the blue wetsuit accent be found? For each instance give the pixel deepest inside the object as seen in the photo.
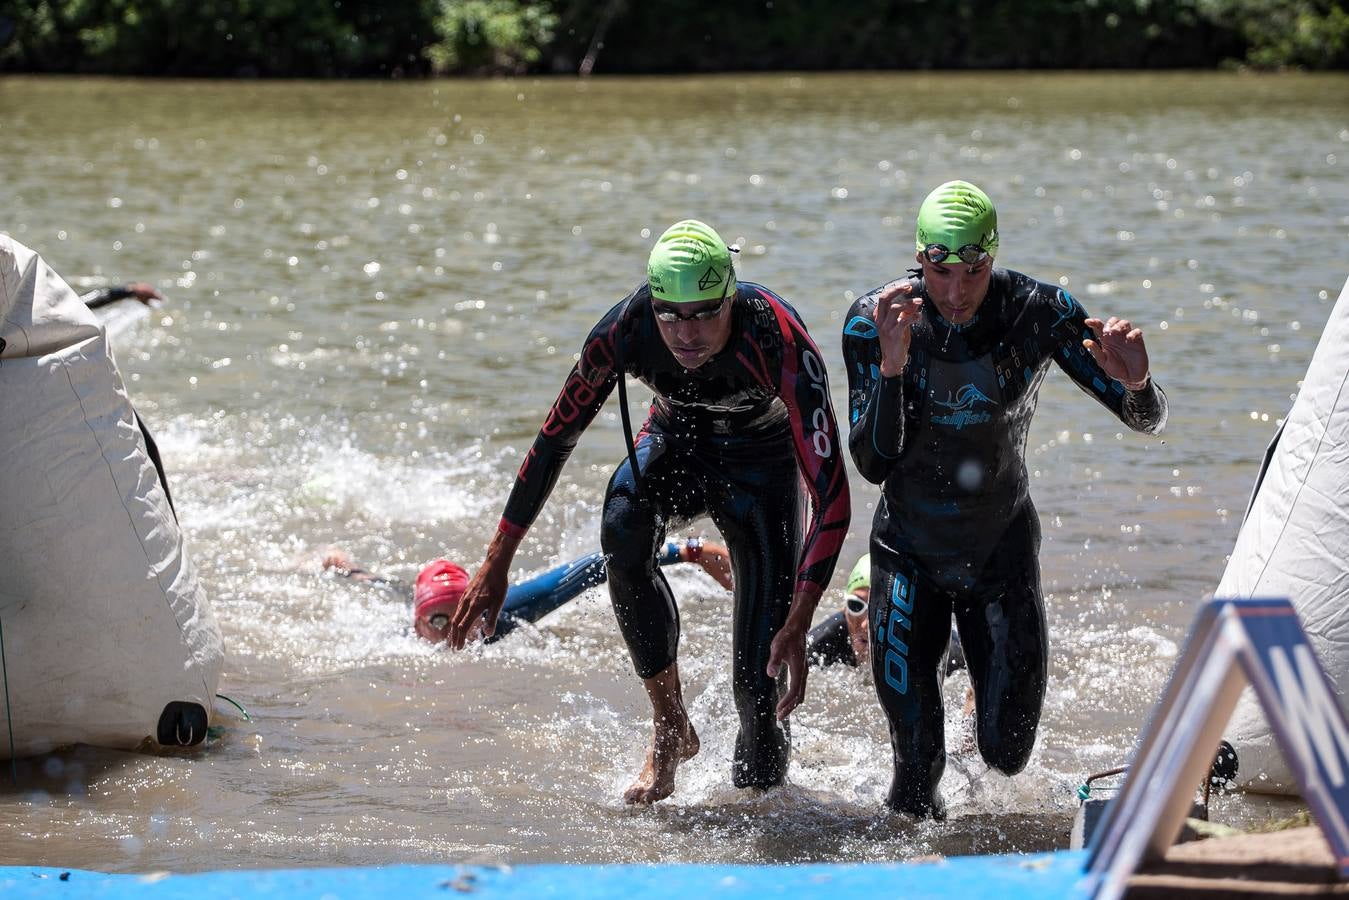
(531, 600)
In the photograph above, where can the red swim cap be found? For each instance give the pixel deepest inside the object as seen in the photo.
(439, 587)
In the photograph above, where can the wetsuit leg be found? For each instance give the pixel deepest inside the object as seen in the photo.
(910, 625)
(1003, 631)
(756, 507)
(631, 533)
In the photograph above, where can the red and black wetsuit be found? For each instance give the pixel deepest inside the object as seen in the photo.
(955, 530)
(732, 439)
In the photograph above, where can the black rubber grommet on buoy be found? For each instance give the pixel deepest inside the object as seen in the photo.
(181, 724)
(1223, 774)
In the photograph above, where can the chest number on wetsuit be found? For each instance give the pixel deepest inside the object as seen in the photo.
(819, 420)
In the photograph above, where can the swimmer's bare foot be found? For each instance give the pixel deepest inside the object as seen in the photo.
(672, 742)
(670, 746)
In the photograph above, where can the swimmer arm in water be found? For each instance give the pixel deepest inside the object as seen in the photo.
(140, 290)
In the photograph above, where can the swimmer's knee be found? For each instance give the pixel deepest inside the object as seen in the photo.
(627, 529)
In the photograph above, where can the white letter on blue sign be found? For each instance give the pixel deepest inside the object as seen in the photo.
(1315, 721)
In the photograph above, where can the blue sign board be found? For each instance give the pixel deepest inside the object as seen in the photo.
(1233, 643)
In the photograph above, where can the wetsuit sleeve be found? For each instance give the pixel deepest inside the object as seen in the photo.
(875, 403)
(104, 296)
(584, 392)
(804, 388)
(531, 600)
(1144, 410)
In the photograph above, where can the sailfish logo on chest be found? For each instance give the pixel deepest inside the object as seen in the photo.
(963, 408)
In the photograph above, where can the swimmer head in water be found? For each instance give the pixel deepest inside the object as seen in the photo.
(436, 596)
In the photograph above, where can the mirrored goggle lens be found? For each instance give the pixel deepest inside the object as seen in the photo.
(703, 315)
(855, 606)
(970, 253)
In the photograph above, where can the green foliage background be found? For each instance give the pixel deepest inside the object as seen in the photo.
(393, 38)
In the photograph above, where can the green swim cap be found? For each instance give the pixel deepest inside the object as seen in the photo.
(860, 577)
(955, 214)
(689, 263)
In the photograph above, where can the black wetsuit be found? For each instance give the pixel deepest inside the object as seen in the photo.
(955, 530)
(732, 440)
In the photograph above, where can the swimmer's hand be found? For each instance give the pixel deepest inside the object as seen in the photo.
(714, 559)
(1119, 350)
(897, 309)
(479, 608)
(789, 649)
(485, 594)
(145, 292)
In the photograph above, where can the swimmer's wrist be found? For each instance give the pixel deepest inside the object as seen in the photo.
(1136, 386)
(501, 551)
(895, 370)
(801, 612)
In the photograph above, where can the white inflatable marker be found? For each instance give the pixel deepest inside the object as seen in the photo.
(108, 636)
(1294, 541)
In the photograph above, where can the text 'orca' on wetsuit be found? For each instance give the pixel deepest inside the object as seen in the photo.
(731, 439)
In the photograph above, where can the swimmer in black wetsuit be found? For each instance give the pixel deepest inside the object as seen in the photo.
(944, 368)
(741, 416)
(845, 636)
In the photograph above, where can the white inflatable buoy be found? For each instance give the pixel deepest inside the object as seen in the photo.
(106, 635)
(1294, 542)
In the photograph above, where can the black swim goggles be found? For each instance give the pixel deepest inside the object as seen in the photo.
(970, 253)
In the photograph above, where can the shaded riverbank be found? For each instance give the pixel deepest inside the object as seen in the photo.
(412, 38)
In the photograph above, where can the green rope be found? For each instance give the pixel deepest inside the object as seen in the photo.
(235, 704)
(9, 720)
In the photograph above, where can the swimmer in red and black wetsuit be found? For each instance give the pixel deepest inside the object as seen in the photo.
(741, 416)
(944, 368)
